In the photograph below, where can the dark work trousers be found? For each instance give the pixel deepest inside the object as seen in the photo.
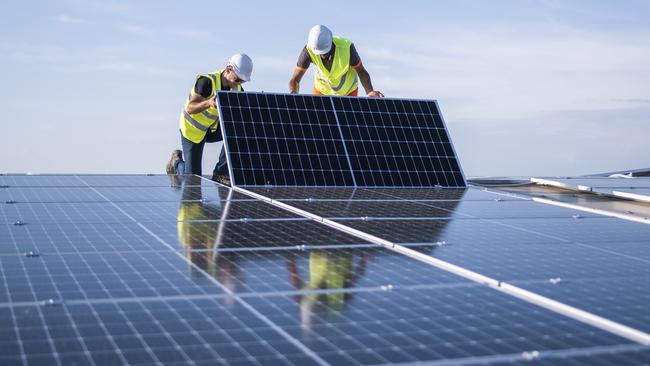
(193, 154)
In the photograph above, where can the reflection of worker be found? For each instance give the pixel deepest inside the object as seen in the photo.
(195, 234)
(328, 270)
(337, 65)
(201, 239)
(200, 118)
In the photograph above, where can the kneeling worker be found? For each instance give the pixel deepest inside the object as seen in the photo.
(337, 66)
(199, 121)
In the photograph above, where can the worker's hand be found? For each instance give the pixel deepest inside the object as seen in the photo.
(376, 94)
(213, 102)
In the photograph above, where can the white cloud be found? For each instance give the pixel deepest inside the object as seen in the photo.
(62, 18)
(148, 31)
(189, 33)
(31, 52)
(126, 67)
(631, 100)
(509, 73)
(546, 99)
(137, 29)
(273, 64)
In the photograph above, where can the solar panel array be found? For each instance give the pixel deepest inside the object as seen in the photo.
(301, 140)
(103, 270)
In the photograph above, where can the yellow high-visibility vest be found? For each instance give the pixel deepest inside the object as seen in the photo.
(341, 79)
(195, 126)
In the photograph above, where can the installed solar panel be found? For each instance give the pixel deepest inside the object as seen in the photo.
(298, 140)
(251, 283)
(356, 194)
(417, 325)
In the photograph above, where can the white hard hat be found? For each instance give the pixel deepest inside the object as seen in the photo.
(242, 65)
(320, 39)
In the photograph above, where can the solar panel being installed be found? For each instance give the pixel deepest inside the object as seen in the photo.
(276, 287)
(286, 140)
(299, 140)
(397, 143)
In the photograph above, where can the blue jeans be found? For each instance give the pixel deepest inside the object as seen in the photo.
(179, 167)
(193, 154)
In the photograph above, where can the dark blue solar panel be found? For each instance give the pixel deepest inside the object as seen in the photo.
(284, 140)
(120, 281)
(298, 140)
(397, 143)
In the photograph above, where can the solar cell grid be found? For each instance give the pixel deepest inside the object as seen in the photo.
(202, 332)
(635, 356)
(434, 209)
(449, 231)
(208, 192)
(129, 297)
(98, 276)
(355, 194)
(46, 180)
(64, 212)
(267, 273)
(137, 180)
(251, 234)
(425, 325)
(75, 238)
(49, 194)
(298, 140)
(283, 140)
(394, 142)
(623, 298)
(196, 210)
(585, 230)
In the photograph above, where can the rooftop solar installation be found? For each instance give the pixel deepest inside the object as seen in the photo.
(300, 140)
(112, 270)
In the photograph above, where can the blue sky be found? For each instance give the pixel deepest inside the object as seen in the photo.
(526, 87)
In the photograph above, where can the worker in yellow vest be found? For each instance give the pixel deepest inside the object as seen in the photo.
(199, 120)
(338, 66)
(330, 272)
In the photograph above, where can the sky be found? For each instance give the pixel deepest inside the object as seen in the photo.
(527, 88)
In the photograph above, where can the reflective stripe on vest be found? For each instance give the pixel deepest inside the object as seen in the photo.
(195, 126)
(210, 115)
(195, 123)
(341, 79)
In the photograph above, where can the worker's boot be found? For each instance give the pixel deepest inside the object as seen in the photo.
(171, 165)
(221, 178)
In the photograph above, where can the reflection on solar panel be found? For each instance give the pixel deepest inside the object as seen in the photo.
(298, 140)
(104, 270)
